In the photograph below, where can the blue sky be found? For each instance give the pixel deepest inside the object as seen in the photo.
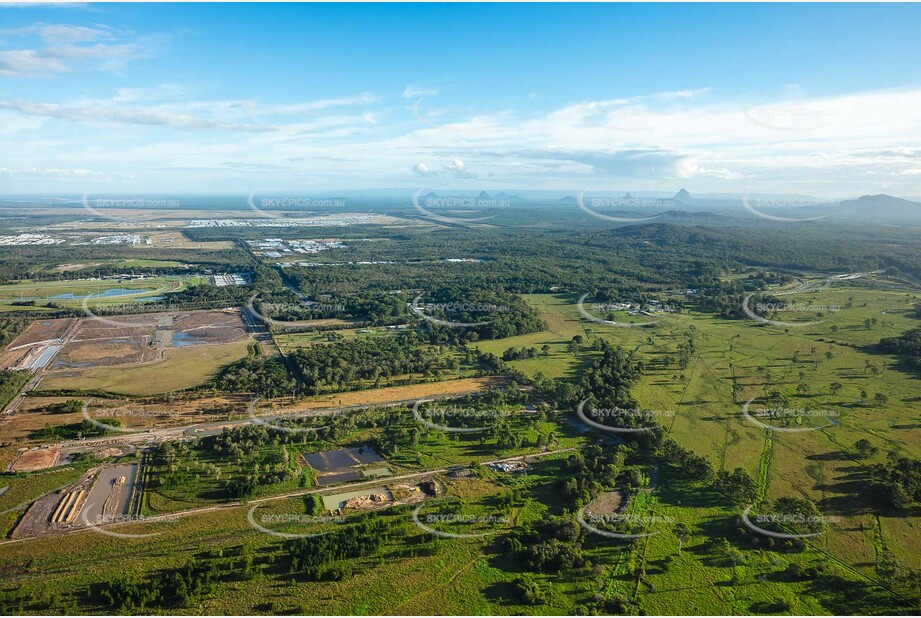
(812, 99)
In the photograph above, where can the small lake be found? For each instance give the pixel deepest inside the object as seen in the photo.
(112, 292)
(181, 339)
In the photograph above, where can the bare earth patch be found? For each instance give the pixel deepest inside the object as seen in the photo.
(36, 459)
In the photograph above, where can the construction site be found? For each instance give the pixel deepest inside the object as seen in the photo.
(103, 494)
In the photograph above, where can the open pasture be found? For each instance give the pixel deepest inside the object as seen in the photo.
(827, 370)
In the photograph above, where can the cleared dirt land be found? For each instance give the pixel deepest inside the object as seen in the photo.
(397, 393)
(34, 416)
(37, 332)
(179, 368)
(35, 459)
(144, 354)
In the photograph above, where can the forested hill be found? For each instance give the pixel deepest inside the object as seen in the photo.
(811, 246)
(628, 257)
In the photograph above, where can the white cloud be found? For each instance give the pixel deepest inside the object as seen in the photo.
(412, 91)
(856, 143)
(313, 106)
(19, 62)
(455, 168)
(55, 173)
(221, 115)
(69, 47)
(57, 34)
(127, 115)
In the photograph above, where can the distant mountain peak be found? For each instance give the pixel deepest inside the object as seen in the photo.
(878, 208)
(682, 195)
(881, 198)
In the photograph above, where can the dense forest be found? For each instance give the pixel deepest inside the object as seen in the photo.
(374, 362)
(11, 382)
(899, 481)
(637, 257)
(37, 262)
(907, 345)
(261, 376)
(12, 325)
(607, 383)
(491, 315)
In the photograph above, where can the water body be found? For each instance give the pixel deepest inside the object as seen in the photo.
(343, 460)
(105, 489)
(111, 292)
(181, 339)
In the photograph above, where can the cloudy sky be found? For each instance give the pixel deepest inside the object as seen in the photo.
(821, 100)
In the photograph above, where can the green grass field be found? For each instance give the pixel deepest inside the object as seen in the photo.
(126, 263)
(814, 464)
(563, 323)
(42, 292)
(416, 573)
(719, 570)
(204, 475)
